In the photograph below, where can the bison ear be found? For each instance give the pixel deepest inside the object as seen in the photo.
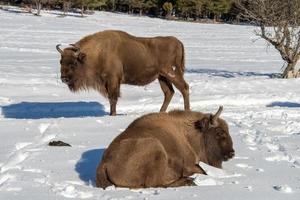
(203, 124)
(81, 57)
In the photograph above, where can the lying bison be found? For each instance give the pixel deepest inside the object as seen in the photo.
(164, 149)
(105, 60)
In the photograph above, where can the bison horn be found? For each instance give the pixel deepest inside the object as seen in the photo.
(217, 115)
(59, 49)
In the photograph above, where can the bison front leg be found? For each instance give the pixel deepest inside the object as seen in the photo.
(185, 181)
(113, 91)
(113, 105)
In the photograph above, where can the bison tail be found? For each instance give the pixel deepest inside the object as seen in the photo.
(182, 61)
(102, 179)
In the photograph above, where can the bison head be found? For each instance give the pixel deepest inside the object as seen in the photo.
(216, 134)
(71, 61)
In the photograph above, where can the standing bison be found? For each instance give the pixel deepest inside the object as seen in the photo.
(164, 149)
(105, 60)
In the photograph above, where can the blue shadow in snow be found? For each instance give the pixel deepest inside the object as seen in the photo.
(87, 165)
(230, 74)
(284, 104)
(39, 110)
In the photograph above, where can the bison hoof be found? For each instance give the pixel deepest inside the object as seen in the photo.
(113, 114)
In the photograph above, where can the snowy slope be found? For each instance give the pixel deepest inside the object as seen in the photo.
(224, 67)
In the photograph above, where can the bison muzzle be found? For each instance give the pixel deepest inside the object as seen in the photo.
(164, 149)
(106, 59)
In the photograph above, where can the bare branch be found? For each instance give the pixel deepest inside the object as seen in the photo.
(279, 25)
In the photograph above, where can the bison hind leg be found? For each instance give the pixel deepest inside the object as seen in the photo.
(176, 78)
(168, 90)
(102, 179)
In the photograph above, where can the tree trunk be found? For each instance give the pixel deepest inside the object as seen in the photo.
(215, 18)
(289, 71)
(66, 7)
(113, 6)
(168, 15)
(82, 9)
(38, 7)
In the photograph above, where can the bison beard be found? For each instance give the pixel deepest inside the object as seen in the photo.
(105, 60)
(164, 149)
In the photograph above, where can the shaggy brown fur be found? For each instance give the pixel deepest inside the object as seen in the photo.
(164, 149)
(105, 60)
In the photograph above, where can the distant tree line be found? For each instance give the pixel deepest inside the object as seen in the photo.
(177, 9)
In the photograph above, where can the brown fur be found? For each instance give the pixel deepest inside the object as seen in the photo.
(110, 58)
(164, 149)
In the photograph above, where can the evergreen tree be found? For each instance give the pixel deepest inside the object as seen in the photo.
(112, 4)
(88, 4)
(151, 4)
(94, 4)
(219, 7)
(185, 7)
(198, 7)
(168, 7)
(138, 4)
(190, 8)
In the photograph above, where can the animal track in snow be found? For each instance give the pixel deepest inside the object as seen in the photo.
(43, 127)
(249, 140)
(22, 145)
(250, 188)
(99, 121)
(4, 178)
(14, 189)
(22, 152)
(283, 188)
(244, 166)
(296, 163)
(260, 170)
(142, 100)
(253, 138)
(275, 147)
(279, 157)
(252, 148)
(33, 170)
(241, 157)
(13, 161)
(70, 191)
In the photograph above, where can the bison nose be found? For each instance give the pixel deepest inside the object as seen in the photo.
(65, 79)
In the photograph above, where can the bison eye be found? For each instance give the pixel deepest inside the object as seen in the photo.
(220, 134)
(72, 66)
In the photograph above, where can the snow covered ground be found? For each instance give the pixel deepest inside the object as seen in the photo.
(224, 67)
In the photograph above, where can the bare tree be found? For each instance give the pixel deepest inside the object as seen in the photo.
(278, 23)
(38, 4)
(66, 6)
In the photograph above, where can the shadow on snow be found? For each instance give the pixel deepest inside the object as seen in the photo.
(87, 165)
(284, 104)
(39, 110)
(230, 74)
